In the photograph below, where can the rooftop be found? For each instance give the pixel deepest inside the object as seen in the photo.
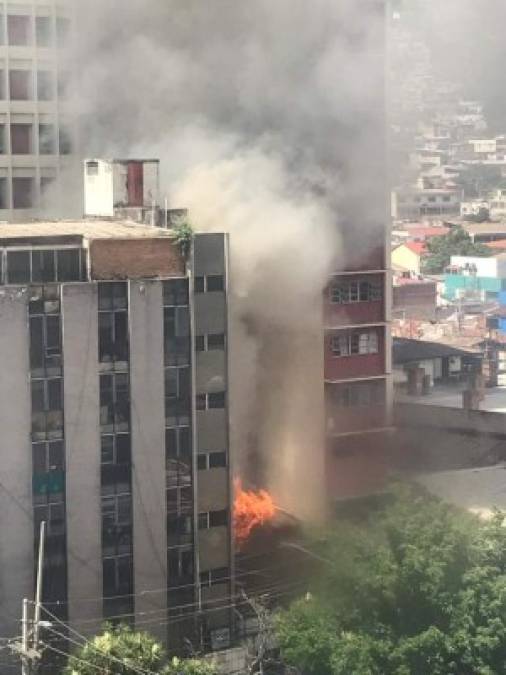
(406, 350)
(87, 229)
(485, 228)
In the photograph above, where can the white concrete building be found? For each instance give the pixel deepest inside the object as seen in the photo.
(35, 135)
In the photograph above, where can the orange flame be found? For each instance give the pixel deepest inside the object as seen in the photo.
(251, 509)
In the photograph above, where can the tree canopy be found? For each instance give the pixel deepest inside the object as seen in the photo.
(121, 651)
(456, 242)
(419, 589)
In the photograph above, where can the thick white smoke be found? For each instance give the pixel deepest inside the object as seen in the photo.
(268, 118)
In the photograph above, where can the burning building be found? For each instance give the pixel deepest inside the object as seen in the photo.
(114, 418)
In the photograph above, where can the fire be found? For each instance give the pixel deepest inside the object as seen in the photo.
(251, 509)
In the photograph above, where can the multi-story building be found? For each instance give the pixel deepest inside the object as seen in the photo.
(35, 125)
(114, 427)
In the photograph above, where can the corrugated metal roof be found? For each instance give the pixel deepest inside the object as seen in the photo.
(88, 229)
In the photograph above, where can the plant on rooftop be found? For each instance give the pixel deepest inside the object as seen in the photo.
(418, 589)
(183, 236)
(441, 249)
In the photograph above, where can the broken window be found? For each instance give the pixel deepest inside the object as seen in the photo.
(18, 30)
(20, 85)
(22, 193)
(43, 31)
(45, 91)
(21, 139)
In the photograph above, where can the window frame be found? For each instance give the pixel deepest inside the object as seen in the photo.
(358, 342)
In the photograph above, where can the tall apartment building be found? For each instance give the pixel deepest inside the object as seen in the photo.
(114, 427)
(35, 137)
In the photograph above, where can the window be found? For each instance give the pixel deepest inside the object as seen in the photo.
(3, 193)
(115, 449)
(68, 264)
(212, 519)
(48, 456)
(112, 295)
(116, 511)
(47, 139)
(22, 193)
(3, 140)
(45, 345)
(358, 395)
(178, 442)
(177, 396)
(175, 292)
(210, 578)
(43, 266)
(45, 90)
(54, 516)
(118, 576)
(211, 401)
(45, 183)
(176, 332)
(18, 267)
(20, 85)
(180, 566)
(211, 460)
(18, 30)
(92, 168)
(113, 323)
(114, 402)
(43, 31)
(431, 200)
(47, 395)
(210, 342)
(21, 139)
(179, 515)
(211, 283)
(64, 141)
(62, 31)
(348, 292)
(355, 342)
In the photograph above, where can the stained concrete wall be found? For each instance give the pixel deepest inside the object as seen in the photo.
(148, 445)
(16, 523)
(82, 445)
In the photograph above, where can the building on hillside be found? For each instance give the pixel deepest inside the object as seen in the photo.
(35, 127)
(414, 298)
(417, 232)
(409, 256)
(114, 421)
(482, 233)
(414, 203)
(470, 278)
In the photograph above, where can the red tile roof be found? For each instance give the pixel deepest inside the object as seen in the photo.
(426, 232)
(417, 247)
(498, 245)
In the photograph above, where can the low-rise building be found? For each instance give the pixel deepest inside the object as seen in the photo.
(413, 203)
(409, 256)
(475, 279)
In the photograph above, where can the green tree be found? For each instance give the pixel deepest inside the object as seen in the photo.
(183, 236)
(121, 651)
(456, 242)
(418, 589)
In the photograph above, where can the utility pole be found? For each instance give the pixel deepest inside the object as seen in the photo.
(38, 593)
(27, 650)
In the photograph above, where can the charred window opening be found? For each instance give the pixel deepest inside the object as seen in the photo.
(211, 519)
(348, 292)
(211, 460)
(20, 85)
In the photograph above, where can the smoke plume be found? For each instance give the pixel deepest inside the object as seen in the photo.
(268, 119)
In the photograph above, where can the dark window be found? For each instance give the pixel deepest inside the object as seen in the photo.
(202, 462)
(92, 168)
(216, 400)
(200, 343)
(21, 139)
(178, 442)
(113, 337)
(117, 576)
(201, 400)
(22, 193)
(68, 265)
(177, 395)
(3, 193)
(199, 284)
(215, 341)
(20, 85)
(3, 143)
(64, 141)
(45, 87)
(114, 401)
(112, 295)
(18, 267)
(217, 459)
(180, 566)
(218, 518)
(43, 266)
(214, 283)
(175, 292)
(43, 31)
(2, 83)
(46, 139)
(18, 30)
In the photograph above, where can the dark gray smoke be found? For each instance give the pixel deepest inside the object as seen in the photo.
(268, 118)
